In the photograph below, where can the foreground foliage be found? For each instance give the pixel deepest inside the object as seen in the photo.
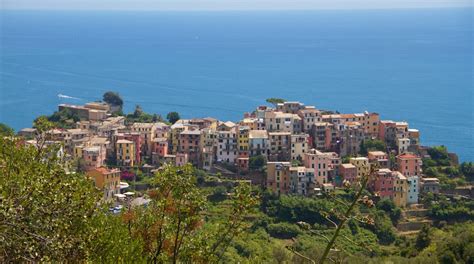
(48, 215)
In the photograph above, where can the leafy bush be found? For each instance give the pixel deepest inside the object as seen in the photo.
(5, 130)
(113, 98)
(283, 230)
(275, 101)
(371, 145)
(391, 209)
(173, 117)
(257, 162)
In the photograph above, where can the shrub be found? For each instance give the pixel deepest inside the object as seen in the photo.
(283, 230)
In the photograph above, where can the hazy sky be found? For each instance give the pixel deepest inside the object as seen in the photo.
(228, 4)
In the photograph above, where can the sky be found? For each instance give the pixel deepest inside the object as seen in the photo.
(227, 4)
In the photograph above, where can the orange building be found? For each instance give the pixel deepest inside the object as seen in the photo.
(106, 180)
(278, 177)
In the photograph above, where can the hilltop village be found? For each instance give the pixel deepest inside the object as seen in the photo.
(289, 148)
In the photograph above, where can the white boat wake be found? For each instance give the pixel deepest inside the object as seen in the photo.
(68, 97)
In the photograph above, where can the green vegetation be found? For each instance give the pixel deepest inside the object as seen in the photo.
(65, 119)
(173, 117)
(275, 101)
(390, 209)
(257, 163)
(442, 208)
(48, 215)
(372, 145)
(346, 159)
(45, 213)
(113, 99)
(5, 130)
(139, 116)
(467, 169)
(283, 230)
(440, 166)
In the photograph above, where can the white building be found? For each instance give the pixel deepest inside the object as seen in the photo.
(258, 142)
(413, 189)
(227, 150)
(298, 180)
(403, 144)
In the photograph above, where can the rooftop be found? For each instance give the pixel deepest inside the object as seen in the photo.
(377, 153)
(191, 132)
(279, 133)
(92, 149)
(407, 156)
(124, 141)
(104, 170)
(258, 134)
(348, 166)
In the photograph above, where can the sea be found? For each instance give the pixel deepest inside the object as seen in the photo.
(413, 65)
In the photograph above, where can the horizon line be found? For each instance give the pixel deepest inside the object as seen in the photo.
(241, 9)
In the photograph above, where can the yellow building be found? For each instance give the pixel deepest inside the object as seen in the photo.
(243, 141)
(78, 151)
(299, 146)
(362, 164)
(125, 152)
(400, 189)
(106, 180)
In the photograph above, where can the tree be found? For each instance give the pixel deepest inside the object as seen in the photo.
(64, 118)
(391, 209)
(423, 238)
(141, 116)
(172, 225)
(44, 212)
(113, 99)
(371, 145)
(440, 155)
(138, 111)
(257, 162)
(5, 130)
(156, 118)
(275, 101)
(283, 230)
(173, 117)
(48, 215)
(339, 217)
(467, 168)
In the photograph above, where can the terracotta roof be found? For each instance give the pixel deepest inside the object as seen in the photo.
(407, 156)
(104, 170)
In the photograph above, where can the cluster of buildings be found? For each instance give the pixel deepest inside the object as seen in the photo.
(303, 147)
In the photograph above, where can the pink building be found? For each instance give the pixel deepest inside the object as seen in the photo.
(409, 164)
(348, 172)
(383, 184)
(190, 143)
(243, 161)
(181, 159)
(94, 157)
(160, 147)
(321, 162)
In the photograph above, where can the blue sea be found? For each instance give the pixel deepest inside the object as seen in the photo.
(412, 64)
